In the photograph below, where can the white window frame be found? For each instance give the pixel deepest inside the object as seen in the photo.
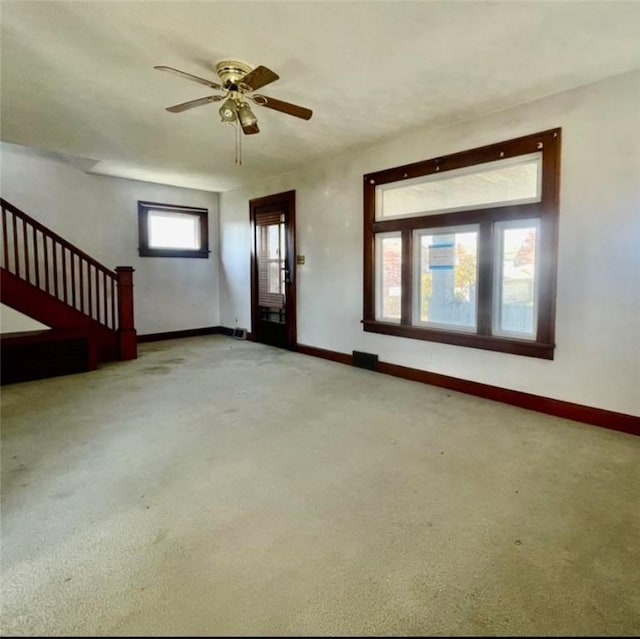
(417, 273)
(498, 233)
(378, 267)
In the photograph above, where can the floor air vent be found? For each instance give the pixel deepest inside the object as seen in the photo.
(365, 360)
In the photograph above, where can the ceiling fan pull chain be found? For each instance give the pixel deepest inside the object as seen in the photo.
(235, 132)
(238, 146)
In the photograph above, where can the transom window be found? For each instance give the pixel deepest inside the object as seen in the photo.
(501, 183)
(172, 231)
(462, 249)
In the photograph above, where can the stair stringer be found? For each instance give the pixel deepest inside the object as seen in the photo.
(40, 305)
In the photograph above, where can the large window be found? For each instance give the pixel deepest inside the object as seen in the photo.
(462, 249)
(165, 230)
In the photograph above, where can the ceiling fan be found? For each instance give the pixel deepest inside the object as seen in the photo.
(238, 81)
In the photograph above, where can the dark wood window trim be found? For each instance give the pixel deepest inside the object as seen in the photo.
(143, 231)
(546, 211)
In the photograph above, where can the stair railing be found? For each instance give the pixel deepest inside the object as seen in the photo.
(44, 259)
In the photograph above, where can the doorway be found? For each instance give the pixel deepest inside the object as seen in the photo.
(273, 270)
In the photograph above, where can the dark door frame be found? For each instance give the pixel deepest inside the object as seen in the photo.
(285, 202)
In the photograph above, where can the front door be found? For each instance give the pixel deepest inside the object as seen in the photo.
(273, 292)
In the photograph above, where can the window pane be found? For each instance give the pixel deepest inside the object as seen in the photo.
(501, 183)
(173, 230)
(516, 299)
(271, 289)
(274, 241)
(447, 272)
(274, 277)
(389, 277)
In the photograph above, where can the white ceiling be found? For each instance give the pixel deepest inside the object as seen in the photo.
(78, 77)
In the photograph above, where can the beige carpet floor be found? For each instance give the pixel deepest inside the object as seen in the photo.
(220, 487)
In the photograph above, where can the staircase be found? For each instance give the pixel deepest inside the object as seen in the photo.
(88, 306)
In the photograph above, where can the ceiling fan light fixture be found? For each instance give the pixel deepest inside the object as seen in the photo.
(246, 115)
(228, 111)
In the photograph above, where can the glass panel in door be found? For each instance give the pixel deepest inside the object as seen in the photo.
(271, 254)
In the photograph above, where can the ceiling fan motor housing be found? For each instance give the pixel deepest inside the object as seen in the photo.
(231, 72)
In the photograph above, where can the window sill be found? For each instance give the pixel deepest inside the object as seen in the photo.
(485, 342)
(151, 252)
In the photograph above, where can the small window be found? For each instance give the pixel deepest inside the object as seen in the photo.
(172, 231)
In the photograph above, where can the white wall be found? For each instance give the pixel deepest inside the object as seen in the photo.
(13, 322)
(597, 360)
(100, 216)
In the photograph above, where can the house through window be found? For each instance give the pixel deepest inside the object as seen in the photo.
(462, 249)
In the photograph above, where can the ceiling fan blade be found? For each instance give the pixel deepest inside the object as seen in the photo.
(178, 108)
(285, 107)
(259, 77)
(195, 78)
(250, 129)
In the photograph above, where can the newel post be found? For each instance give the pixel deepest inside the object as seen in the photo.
(127, 339)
